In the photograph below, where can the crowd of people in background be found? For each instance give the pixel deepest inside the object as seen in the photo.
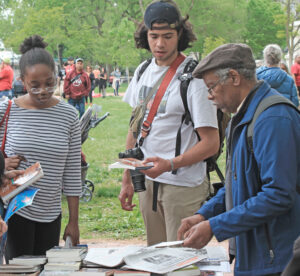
(11, 84)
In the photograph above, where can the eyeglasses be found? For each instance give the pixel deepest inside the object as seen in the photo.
(48, 89)
(211, 89)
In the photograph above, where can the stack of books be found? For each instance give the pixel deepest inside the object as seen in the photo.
(29, 260)
(10, 269)
(65, 259)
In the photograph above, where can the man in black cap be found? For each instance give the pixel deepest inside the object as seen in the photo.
(169, 195)
(258, 209)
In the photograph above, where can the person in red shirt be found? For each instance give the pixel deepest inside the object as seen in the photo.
(77, 86)
(295, 70)
(71, 66)
(6, 78)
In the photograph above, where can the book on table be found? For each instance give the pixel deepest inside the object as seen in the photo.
(129, 272)
(71, 254)
(16, 268)
(21, 182)
(29, 260)
(67, 266)
(65, 258)
(94, 272)
(130, 163)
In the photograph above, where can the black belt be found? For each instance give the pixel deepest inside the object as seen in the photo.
(155, 194)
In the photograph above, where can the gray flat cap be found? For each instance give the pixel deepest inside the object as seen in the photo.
(230, 55)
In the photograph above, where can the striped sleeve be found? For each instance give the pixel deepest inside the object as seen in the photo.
(72, 185)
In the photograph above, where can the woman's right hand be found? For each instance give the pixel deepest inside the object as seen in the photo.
(12, 162)
(3, 227)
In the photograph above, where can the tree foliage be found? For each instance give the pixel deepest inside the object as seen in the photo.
(101, 31)
(291, 32)
(261, 29)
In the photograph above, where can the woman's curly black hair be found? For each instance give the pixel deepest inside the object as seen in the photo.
(185, 29)
(33, 52)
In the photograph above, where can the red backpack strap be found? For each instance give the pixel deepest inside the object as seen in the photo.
(160, 93)
(5, 117)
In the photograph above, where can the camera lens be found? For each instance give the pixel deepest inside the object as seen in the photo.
(138, 180)
(122, 155)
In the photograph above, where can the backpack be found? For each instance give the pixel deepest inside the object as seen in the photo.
(262, 106)
(223, 119)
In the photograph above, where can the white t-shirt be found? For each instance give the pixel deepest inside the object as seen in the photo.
(161, 140)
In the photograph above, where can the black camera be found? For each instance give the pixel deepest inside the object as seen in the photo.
(137, 178)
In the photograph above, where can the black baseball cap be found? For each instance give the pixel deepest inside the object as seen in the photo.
(70, 58)
(162, 12)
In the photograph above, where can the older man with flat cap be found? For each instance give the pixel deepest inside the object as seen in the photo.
(258, 209)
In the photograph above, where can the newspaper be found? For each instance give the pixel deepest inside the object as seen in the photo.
(110, 257)
(168, 244)
(218, 260)
(221, 267)
(163, 260)
(160, 258)
(130, 163)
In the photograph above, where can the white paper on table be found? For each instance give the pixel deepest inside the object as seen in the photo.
(168, 244)
(163, 260)
(223, 267)
(110, 257)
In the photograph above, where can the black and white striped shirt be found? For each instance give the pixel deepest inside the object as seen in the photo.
(50, 136)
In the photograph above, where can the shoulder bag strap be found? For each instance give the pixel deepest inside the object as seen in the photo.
(75, 78)
(5, 117)
(159, 95)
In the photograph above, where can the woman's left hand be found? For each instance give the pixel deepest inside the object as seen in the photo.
(72, 230)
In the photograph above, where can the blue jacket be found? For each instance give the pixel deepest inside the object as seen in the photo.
(279, 80)
(265, 201)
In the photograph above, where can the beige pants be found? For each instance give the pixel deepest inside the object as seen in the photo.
(173, 204)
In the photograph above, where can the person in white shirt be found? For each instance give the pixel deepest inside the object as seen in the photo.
(165, 34)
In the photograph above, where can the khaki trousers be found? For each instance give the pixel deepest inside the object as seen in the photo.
(173, 204)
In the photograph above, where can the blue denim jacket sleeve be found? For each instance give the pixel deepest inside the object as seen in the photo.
(214, 206)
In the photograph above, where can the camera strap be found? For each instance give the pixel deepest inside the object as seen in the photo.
(146, 126)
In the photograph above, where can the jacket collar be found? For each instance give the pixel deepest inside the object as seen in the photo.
(258, 92)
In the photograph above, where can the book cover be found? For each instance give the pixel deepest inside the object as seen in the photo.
(21, 200)
(130, 163)
(12, 268)
(190, 270)
(93, 272)
(63, 252)
(29, 260)
(70, 266)
(131, 273)
(20, 183)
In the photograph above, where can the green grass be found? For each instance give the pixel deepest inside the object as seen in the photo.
(103, 217)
